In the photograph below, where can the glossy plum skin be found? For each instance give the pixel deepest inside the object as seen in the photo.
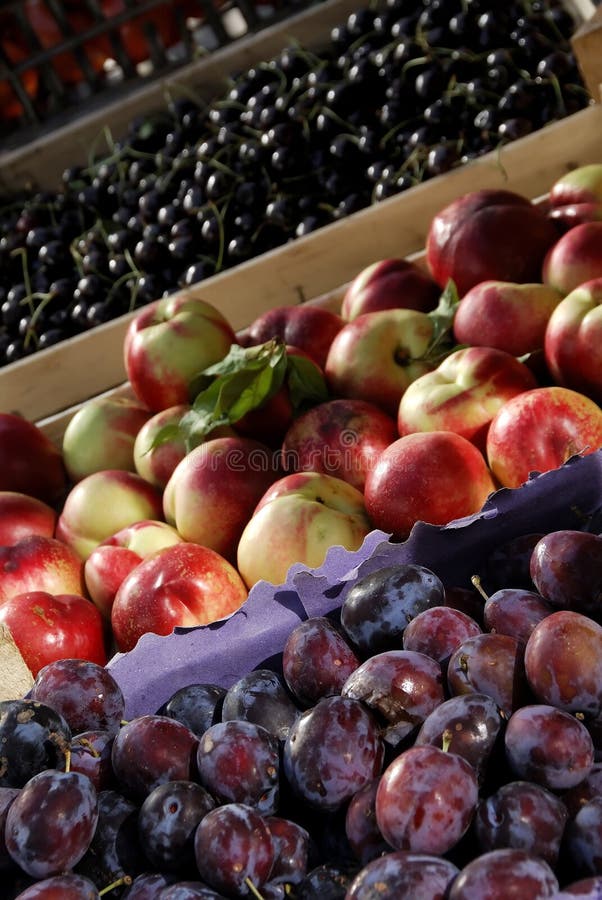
(470, 725)
(33, 737)
(510, 873)
(515, 611)
(238, 762)
(438, 631)
(233, 843)
(522, 815)
(150, 750)
(378, 607)
(261, 697)
(91, 755)
(548, 746)
(69, 886)
(490, 664)
(85, 693)
(566, 568)
(563, 662)
(291, 850)
(167, 821)
(404, 875)
(426, 799)
(316, 660)
(317, 760)
(401, 687)
(195, 705)
(69, 801)
(7, 795)
(361, 827)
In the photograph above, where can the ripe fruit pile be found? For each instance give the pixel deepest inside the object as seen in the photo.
(391, 738)
(424, 741)
(235, 457)
(400, 93)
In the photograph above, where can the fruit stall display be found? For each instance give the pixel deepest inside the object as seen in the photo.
(343, 171)
(60, 54)
(422, 590)
(306, 605)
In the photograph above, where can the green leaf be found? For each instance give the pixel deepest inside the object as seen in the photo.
(238, 359)
(167, 433)
(442, 343)
(245, 379)
(305, 382)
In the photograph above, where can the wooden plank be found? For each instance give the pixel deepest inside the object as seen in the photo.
(90, 363)
(587, 46)
(582, 10)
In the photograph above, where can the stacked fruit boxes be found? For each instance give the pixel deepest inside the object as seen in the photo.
(48, 385)
(56, 55)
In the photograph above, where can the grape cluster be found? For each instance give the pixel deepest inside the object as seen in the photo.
(426, 754)
(401, 92)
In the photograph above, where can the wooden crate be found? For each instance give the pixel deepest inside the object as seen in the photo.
(56, 56)
(42, 160)
(45, 385)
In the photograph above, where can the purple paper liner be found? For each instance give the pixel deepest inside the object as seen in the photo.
(568, 497)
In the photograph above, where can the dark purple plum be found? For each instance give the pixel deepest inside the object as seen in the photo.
(401, 687)
(515, 611)
(149, 750)
(261, 697)
(167, 821)
(548, 746)
(563, 662)
(33, 737)
(522, 815)
(115, 850)
(470, 725)
(233, 846)
(50, 824)
(490, 664)
(291, 850)
(566, 568)
(438, 631)
(332, 751)
(83, 692)
(426, 799)
(507, 874)
(583, 840)
(405, 876)
(378, 607)
(316, 661)
(238, 762)
(361, 828)
(195, 705)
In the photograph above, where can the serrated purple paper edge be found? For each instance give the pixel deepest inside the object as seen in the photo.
(568, 497)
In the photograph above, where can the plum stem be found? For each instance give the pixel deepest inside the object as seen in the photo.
(476, 581)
